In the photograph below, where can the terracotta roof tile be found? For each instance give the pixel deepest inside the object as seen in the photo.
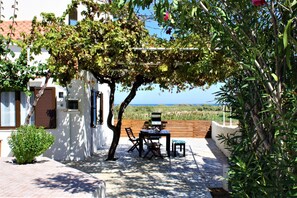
(20, 27)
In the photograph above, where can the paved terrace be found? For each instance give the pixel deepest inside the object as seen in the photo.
(46, 178)
(132, 176)
(129, 176)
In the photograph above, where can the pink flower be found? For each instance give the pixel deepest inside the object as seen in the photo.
(166, 16)
(258, 2)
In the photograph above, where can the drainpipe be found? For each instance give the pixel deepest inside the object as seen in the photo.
(71, 155)
(91, 147)
(28, 88)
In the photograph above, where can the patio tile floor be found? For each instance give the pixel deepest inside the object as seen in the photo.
(129, 176)
(46, 178)
(132, 176)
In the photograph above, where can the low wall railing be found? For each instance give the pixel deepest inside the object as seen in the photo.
(178, 128)
(218, 129)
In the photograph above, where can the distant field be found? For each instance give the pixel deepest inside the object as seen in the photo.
(174, 112)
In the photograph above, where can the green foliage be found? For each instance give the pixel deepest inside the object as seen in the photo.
(264, 102)
(254, 170)
(107, 48)
(262, 94)
(15, 72)
(174, 112)
(116, 50)
(28, 142)
(14, 75)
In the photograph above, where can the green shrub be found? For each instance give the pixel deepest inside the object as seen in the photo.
(29, 142)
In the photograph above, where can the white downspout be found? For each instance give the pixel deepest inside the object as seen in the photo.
(71, 156)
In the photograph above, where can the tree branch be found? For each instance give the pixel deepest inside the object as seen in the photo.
(38, 96)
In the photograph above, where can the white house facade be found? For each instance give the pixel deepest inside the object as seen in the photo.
(76, 115)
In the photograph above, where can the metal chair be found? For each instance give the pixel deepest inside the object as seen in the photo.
(133, 139)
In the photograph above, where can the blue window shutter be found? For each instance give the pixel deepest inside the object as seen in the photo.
(93, 108)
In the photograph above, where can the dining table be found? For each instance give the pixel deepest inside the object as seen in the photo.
(147, 133)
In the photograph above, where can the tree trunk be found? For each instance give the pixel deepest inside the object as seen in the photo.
(38, 96)
(117, 128)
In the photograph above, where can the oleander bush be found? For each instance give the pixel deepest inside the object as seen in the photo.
(28, 142)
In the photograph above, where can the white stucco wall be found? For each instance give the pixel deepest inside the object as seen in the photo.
(105, 133)
(5, 150)
(28, 9)
(75, 139)
(218, 129)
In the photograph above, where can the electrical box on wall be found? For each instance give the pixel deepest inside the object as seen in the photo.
(72, 104)
(61, 102)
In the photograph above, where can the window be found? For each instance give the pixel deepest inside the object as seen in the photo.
(73, 17)
(96, 108)
(8, 109)
(15, 106)
(94, 95)
(101, 109)
(72, 104)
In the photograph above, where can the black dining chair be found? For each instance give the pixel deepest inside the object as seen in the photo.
(133, 139)
(156, 120)
(154, 148)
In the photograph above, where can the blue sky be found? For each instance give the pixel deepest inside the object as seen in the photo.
(195, 96)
